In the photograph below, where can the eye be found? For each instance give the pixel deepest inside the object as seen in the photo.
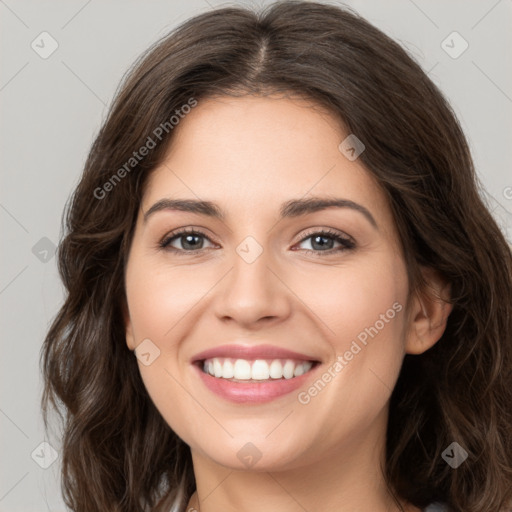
(324, 241)
(191, 242)
(188, 238)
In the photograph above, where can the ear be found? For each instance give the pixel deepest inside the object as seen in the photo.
(130, 341)
(429, 313)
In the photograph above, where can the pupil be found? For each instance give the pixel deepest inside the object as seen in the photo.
(322, 245)
(187, 240)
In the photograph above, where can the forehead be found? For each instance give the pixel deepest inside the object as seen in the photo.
(254, 153)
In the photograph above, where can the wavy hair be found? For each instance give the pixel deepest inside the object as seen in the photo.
(118, 453)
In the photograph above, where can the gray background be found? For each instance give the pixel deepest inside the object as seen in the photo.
(52, 108)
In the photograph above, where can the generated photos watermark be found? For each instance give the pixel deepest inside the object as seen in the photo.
(357, 345)
(144, 150)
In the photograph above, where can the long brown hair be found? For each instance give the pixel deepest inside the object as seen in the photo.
(118, 454)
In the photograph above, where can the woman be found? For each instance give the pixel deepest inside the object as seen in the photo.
(284, 290)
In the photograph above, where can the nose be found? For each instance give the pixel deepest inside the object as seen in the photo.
(253, 293)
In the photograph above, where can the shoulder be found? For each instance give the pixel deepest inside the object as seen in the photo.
(436, 507)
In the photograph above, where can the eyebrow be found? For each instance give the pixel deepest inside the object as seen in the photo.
(289, 209)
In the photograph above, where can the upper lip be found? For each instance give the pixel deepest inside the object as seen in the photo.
(251, 352)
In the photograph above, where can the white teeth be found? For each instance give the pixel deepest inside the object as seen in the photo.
(288, 369)
(299, 370)
(260, 369)
(276, 369)
(217, 368)
(228, 370)
(242, 369)
(302, 368)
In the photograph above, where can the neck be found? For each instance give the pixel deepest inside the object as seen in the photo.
(348, 479)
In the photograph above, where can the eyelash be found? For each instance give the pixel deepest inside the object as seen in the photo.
(346, 243)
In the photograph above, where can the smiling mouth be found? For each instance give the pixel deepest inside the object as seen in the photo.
(257, 370)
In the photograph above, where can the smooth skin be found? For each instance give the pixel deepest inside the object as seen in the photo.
(249, 155)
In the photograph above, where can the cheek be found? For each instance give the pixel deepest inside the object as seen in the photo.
(160, 297)
(362, 313)
(349, 300)
(160, 302)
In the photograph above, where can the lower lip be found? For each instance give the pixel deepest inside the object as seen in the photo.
(253, 392)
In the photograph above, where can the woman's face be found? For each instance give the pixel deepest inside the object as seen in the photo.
(265, 275)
